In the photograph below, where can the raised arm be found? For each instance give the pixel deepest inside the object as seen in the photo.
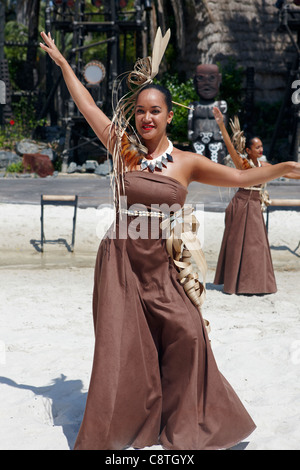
(98, 121)
(236, 158)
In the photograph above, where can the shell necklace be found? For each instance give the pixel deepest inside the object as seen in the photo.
(158, 162)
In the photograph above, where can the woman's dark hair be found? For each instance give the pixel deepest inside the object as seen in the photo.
(249, 140)
(163, 90)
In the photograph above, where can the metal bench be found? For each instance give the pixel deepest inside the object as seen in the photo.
(58, 200)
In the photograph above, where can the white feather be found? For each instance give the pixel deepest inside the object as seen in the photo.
(159, 47)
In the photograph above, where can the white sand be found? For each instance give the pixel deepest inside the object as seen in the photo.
(46, 334)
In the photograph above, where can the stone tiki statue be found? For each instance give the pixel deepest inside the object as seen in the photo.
(203, 131)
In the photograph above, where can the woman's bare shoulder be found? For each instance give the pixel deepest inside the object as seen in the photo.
(188, 156)
(189, 163)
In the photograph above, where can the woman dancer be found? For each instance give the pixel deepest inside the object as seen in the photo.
(154, 378)
(245, 264)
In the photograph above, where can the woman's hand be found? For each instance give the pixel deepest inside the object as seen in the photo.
(295, 173)
(51, 48)
(218, 115)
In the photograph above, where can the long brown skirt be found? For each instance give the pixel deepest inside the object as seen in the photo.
(245, 264)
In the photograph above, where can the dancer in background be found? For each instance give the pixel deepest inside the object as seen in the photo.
(245, 264)
(154, 379)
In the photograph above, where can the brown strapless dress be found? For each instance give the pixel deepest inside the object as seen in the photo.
(154, 378)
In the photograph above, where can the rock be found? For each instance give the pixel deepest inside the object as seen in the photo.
(90, 166)
(7, 158)
(27, 146)
(49, 152)
(23, 175)
(72, 167)
(103, 169)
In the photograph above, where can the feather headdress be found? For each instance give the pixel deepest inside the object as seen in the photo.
(239, 140)
(127, 150)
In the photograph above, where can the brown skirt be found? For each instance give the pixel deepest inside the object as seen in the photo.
(245, 264)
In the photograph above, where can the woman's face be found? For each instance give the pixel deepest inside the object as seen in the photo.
(151, 114)
(256, 149)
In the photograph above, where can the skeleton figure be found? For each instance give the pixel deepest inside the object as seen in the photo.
(203, 131)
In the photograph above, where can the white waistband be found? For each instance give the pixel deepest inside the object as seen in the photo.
(142, 213)
(252, 188)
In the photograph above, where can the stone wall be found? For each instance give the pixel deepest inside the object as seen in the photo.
(246, 30)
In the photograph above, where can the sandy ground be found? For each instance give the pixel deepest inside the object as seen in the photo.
(46, 332)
